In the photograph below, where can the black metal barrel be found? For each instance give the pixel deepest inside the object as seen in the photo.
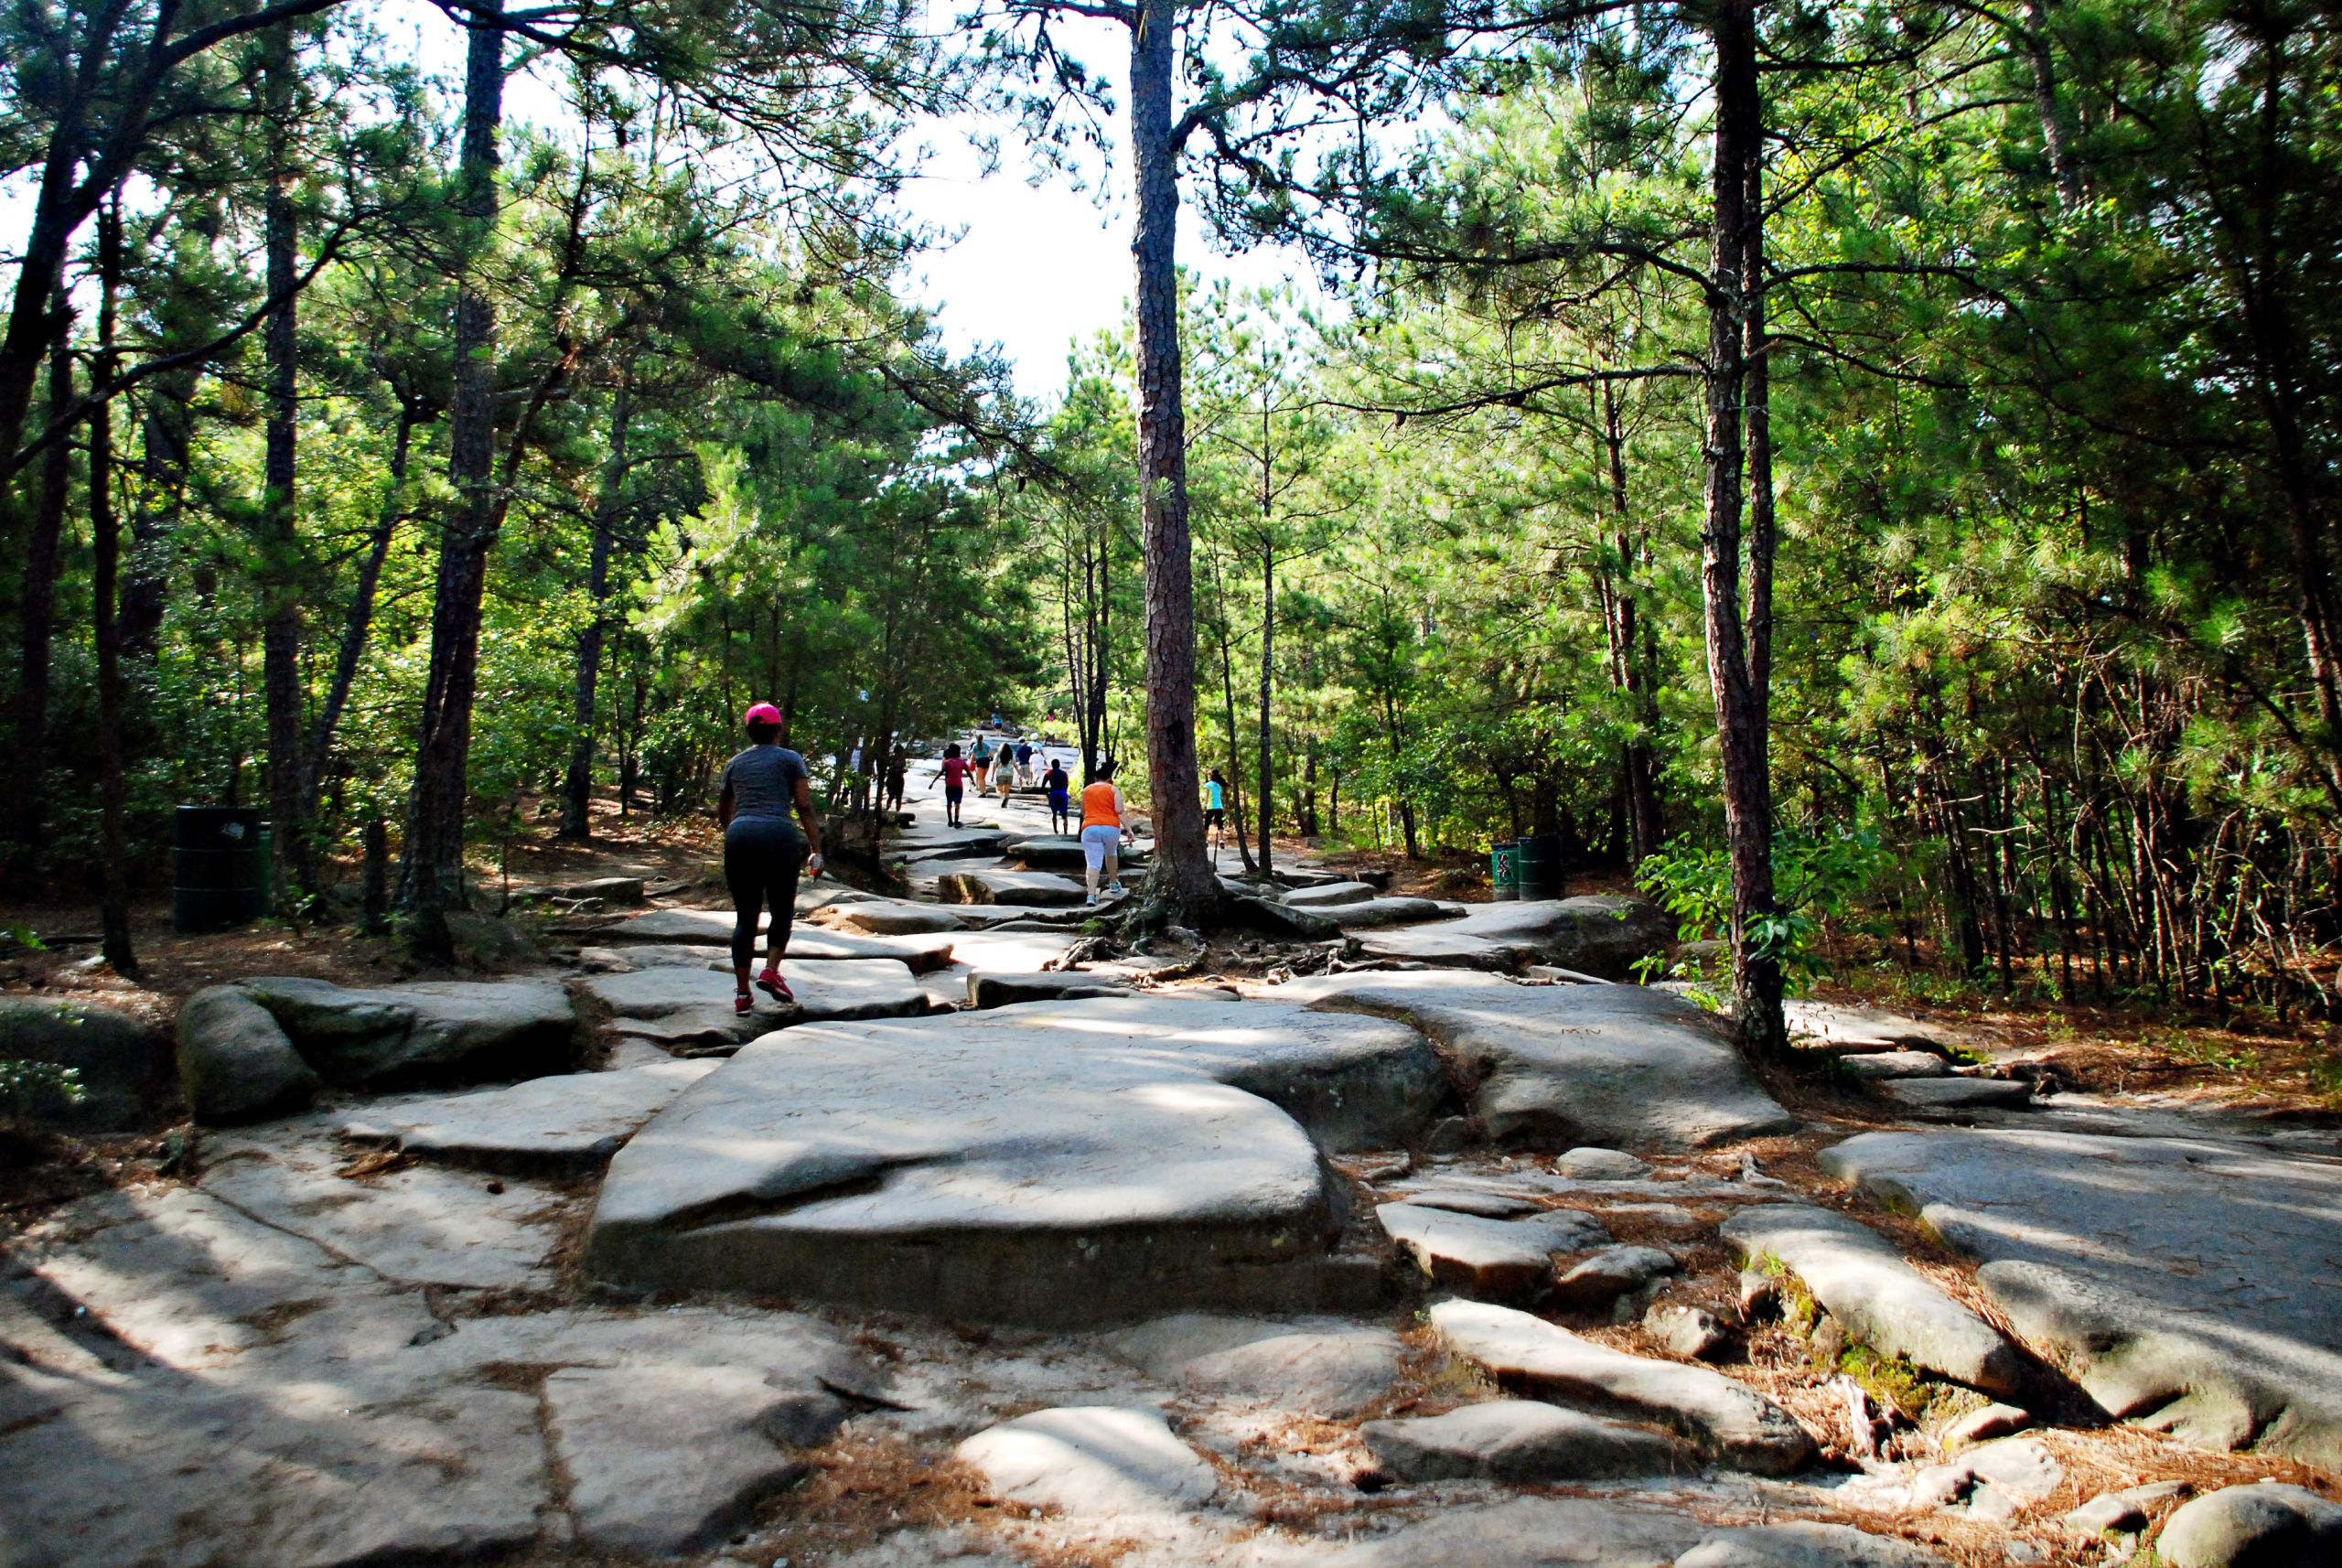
(219, 868)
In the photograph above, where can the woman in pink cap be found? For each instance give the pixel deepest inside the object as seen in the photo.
(763, 850)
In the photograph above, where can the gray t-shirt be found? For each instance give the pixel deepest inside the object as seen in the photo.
(763, 781)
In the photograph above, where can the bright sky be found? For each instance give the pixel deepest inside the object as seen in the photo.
(1042, 267)
(1036, 267)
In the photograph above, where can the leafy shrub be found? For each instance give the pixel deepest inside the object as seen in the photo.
(1817, 878)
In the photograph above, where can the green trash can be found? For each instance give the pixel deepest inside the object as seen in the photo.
(1536, 868)
(1504, 870)
(218, 872)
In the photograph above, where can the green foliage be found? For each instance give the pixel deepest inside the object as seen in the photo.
(31, 1091)
(1817, 878)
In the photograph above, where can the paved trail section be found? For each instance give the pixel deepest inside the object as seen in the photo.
(993, 1250)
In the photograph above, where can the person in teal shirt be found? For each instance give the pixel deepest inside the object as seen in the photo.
(1216, 809)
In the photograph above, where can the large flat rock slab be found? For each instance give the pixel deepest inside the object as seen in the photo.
(1490, 1258)
(1884, 1302)
(690, 1012)
(1603, 1532)
(998, 885)
(1521, 1441)
(1729, 1421)
(428, 1034)
(1614, 1065)
(1602, 934)
(711, 931)
(1056, 1164)
(1323, 1367)
(1389, 911)
(2187, 1283)
(419, 1225)
(1058, 851)
(568, 1125)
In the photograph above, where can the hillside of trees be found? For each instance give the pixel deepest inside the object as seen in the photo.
(1862, 471)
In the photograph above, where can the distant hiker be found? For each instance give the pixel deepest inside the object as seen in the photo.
(954, 780)
(1059, 785)
(1102, 832)
(892, 800)
(981, 757)
(1216, 810)
(1025, 764)
(1004, 772)
(763, 850)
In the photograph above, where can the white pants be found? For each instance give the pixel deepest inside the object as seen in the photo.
(1100, 844)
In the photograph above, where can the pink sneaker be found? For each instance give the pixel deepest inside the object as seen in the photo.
(772, 985)
(743, 1003)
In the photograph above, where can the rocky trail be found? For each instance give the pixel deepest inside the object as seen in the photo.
(1430, 1243)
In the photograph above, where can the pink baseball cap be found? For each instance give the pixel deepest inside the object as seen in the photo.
(763, 714)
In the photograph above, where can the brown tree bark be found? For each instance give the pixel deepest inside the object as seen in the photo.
(433, 876)
(105, 571)
(2056, 136)
(1180, 882)
(1738, 460)
(27, 799)
(1268, 671)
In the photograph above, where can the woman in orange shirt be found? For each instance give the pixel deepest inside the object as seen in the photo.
(1102, 831)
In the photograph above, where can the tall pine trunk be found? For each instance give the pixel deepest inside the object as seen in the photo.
(433, 872)
(1738, 460)
(105, 616)
(1267, 812)
(1180, 882)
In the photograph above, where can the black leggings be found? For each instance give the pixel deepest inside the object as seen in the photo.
(762, 857)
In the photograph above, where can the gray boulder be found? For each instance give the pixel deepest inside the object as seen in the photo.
(122, 1064)
(1327, 894)
(987, 990)
(1058, 852)
(432, 1033)
(1000, 886)
(1389, 911)
(567, 1124)
(1731, 1423)
(1523, 1441)
(1893, 1064)
(670, 1459)
(2184, 1282)
(235, 1063)
(1804, 1544)
(1321, 1368)
(690, 1012)
(1597, 1282)
(1571, 1064)
(1493, 1259)
(1092, 1461)
(1069, 1164)
(2267, 1525)
(1884, 1302)
(1955, 1093)
(1600, 1164)
(1602, 934)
